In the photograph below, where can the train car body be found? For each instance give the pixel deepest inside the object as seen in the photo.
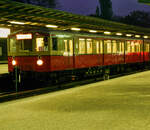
(58, 53)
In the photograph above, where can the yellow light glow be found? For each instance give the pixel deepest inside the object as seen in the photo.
(40, 44)
(145, 37)
(89, 39)
(16, 22)
(23, 36)
(75, 29)
(92, 31)
(39, 62)
(137, 36)
(81, 39)
(128, 35)
(51, 26)
(119, 34)
(4, 32)
(107, 33)
(14, 62)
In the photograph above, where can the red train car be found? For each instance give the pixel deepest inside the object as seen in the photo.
(57, 54)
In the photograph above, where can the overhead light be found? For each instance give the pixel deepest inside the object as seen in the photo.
(51, 26)
(15, 22)
(4, 32)
(107, 33)
(75, 29)
(145, 37)
(137, 36)
(92, 31)
(128, 35)
(119, 34)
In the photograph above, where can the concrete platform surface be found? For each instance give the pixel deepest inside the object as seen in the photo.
(117, 104)
(3, 68)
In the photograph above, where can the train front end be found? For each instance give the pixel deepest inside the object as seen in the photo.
(28, 52)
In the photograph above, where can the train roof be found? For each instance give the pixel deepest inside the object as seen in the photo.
(20, 15)
(68, 34)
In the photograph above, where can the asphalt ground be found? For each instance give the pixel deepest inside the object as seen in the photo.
(117, 104)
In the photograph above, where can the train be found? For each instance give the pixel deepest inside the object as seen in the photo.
(62, 55)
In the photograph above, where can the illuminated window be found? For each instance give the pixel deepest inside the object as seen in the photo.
(107, 46)
(132, 46)
(101, 47)
(42, 44)
(128, 47)
(65, 46)
(39, 44)
(122, 47)
(81, 46)
(137, 46)
(114, 44)
(70, 47)
(97, 47)
(89, 46)
(147, 47)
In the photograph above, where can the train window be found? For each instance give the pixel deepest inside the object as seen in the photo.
(70, 47)
(107, 46)
(81, 46)
(132, 47)
(128, 47)
(12, 44)
(97, 47)
(101, 47)
(54, 44)
(65, 46)
(146, 47)
(114, 48)
(118, 47)
(122, 47)
(25, 45)
(41, 44)
(137, 47)
(89, 46)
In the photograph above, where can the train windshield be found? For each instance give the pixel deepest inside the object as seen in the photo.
(28, 43)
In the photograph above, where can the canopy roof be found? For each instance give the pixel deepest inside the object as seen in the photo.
(35, 17)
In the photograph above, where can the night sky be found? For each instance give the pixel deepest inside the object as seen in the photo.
(85, 7)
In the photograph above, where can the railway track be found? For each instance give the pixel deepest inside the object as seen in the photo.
(47, 87)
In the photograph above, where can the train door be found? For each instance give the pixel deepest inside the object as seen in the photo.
(68, 53)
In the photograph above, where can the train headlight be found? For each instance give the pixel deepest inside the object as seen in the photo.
(14, 62)
(39, 62)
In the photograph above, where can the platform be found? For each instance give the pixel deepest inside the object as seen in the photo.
(3, 69)
(117, 104)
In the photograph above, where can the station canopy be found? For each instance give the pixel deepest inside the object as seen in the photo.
(20, 15)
